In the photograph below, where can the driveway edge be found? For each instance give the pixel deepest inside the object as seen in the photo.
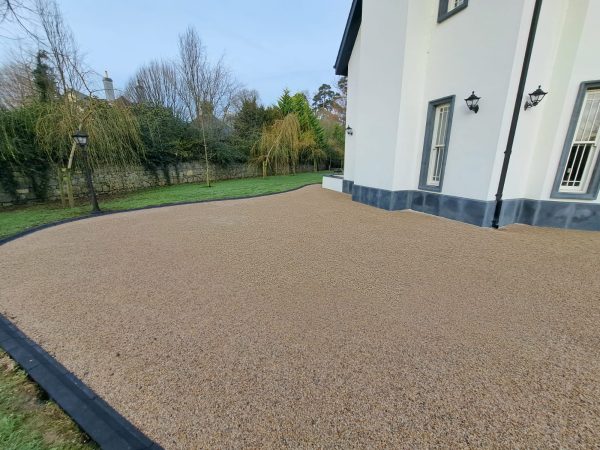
(32, 230)
(96, 418)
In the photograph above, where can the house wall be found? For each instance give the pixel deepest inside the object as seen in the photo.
(403, 59)
(382, 34)
(352, 108)
(565, 55)
(456, 63)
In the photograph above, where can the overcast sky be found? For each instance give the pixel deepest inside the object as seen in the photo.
(268, 44)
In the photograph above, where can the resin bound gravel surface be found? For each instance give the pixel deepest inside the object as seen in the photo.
(307, 320)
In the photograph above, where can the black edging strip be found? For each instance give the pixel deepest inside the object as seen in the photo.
(97, 418)
(31, 230)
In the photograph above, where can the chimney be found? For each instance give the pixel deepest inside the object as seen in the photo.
(109, 90)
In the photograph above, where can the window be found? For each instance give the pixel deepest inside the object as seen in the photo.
(577, 175)
(435, 148)
(454, 4)
(450, 7)
(436, 155)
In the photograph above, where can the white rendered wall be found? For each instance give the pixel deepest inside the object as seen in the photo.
(474, 50)
(413, 107)
(565, 54)
(352, 108)
(403, 59)
(381, 47)
(332, 183)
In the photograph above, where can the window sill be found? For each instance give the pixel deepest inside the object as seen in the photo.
(430, 188)
(574, 195)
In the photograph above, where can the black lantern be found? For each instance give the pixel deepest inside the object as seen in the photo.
(81, 139)
(349, 130)
(472, 102)
(535, 98)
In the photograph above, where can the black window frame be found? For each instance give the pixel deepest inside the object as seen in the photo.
(594, 185)
(429, 139)
(443, 12)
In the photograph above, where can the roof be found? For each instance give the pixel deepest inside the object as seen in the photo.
(350, 35)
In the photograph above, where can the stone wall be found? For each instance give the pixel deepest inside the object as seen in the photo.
(109, 181)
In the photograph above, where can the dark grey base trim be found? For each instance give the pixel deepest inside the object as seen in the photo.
(347, 187)
(164, 205)
(546, 213)
(102, 423)
(575, 215)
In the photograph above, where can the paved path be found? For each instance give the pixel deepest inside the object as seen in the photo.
(304, 320)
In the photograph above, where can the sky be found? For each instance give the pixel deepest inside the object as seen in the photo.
(268, 44)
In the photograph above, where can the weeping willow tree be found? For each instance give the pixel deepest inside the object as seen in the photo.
(312, 149)
(279, 146)
(19, 152)
(114, 136)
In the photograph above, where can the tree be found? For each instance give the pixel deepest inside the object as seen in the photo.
(17, 87)
(279, 146)
(60, 77)
(335, 136)
(249, 122)
(166, 138)
(42, 78)
(341, 100)
(19, 151)
(308, 120)
(285, 103)
(298, 120)
(324, 99)
(157, 83)
(17, 14)
(207, 90)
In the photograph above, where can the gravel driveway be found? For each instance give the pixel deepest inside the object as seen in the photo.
(307, 320)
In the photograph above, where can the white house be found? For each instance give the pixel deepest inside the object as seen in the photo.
(412, 141)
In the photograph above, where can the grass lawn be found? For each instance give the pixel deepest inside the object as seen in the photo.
(30, 422)
(18, 219)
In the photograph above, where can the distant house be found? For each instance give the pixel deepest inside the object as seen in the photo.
(413, 142)
(108, 89)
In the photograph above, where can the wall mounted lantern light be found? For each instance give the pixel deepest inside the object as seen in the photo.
(472, 102)
(535, 98)
(349, 130)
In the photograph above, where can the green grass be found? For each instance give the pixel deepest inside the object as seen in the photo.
(18, 219)
(30, 422)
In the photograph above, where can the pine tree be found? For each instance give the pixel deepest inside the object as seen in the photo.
(285, 103)
(42, 78)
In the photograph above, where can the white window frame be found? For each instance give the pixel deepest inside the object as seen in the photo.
(574, 180)
(436, 143)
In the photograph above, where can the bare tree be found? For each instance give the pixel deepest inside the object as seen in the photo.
(157, 83)
(64, 55)
(18, 14)
(193, 67)
(240, 97)
(204, 84)
(16, 84)
(206, 90)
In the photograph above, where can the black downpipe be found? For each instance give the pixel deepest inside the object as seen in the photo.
(515, 118)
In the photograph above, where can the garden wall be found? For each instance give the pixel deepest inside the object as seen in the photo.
(118, 180)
